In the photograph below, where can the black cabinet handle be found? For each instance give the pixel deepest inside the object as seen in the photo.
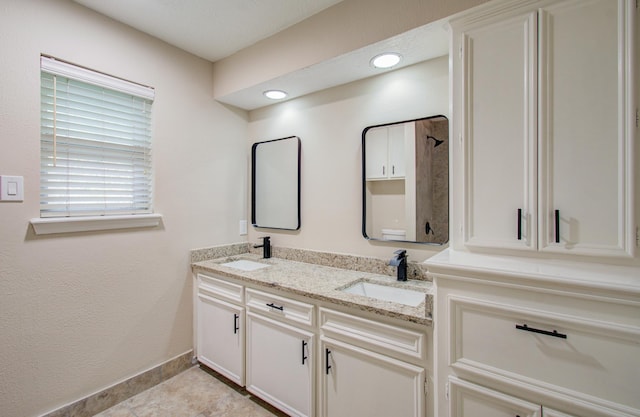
(383, 170)
(304, 357)
(327, 352)
(281, 308)
(557, 216)
(393, 169)
(553, 333)
(236, 324)
(519, 224)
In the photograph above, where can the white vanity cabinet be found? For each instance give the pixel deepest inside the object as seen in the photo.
(219, 326)
(507, 340)
(543, 131)
(370, 368)
(281, 352)
(385, 150)
(308, 357)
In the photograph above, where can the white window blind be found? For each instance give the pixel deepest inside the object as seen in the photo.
(95, 145)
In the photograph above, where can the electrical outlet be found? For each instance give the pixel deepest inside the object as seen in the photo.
(243, 227)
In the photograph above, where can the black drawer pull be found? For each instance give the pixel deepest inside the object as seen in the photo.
(236, 324)
(544, 332)
(281, 308)
(557, 218)
(304, 357)
(519, 224)
(327, 352)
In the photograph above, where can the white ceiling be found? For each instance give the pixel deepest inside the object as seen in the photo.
(214, 29)
(211, 29)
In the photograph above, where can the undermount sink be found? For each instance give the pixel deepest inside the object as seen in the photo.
(245, 265)
(386, 293)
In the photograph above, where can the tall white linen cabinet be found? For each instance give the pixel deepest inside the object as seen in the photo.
(537, 308)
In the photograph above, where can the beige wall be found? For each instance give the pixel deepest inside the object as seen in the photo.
(81, 312)
(329, 124)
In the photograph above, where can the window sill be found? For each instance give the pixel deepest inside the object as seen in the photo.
(47, 226)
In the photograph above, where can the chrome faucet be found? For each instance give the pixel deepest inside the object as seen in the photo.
(266, 247)
(400, 260)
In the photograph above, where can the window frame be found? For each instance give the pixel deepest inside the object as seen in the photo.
(69, 221)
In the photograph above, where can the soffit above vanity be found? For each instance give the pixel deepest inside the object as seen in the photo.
(335, 47)
(310, 47)
(417, 45)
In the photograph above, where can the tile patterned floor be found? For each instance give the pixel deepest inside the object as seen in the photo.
(196, 392)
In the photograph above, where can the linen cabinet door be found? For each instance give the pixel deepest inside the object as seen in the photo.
(397, 156)
(220, 337)
(495, 101)
(280, 365)
(358, 382)
(585, 120)
(377, 151)
(470, 400)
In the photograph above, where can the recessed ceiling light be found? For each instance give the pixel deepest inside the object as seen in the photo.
(386, 60)
(275, 94)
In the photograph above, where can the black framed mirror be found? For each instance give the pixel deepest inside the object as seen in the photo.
(275, 183)
(405, 181)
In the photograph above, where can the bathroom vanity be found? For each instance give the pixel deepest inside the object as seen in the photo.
(306, 339)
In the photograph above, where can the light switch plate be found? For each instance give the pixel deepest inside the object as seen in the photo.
(11, 188)
(243, 227)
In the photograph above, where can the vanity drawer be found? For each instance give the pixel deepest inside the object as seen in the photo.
(373, 335)
(281, 308)
(565, 353)
(220, 288)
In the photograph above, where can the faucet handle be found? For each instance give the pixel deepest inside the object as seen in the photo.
(401, 253)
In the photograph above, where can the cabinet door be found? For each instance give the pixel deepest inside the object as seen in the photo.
(357, 382)
(280, 365)
(583, 108)
(377, 153)
(220, 337)
(397, 156)
(496, 104)
(470, 400)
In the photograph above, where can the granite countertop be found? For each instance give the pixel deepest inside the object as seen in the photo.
(324, 283)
